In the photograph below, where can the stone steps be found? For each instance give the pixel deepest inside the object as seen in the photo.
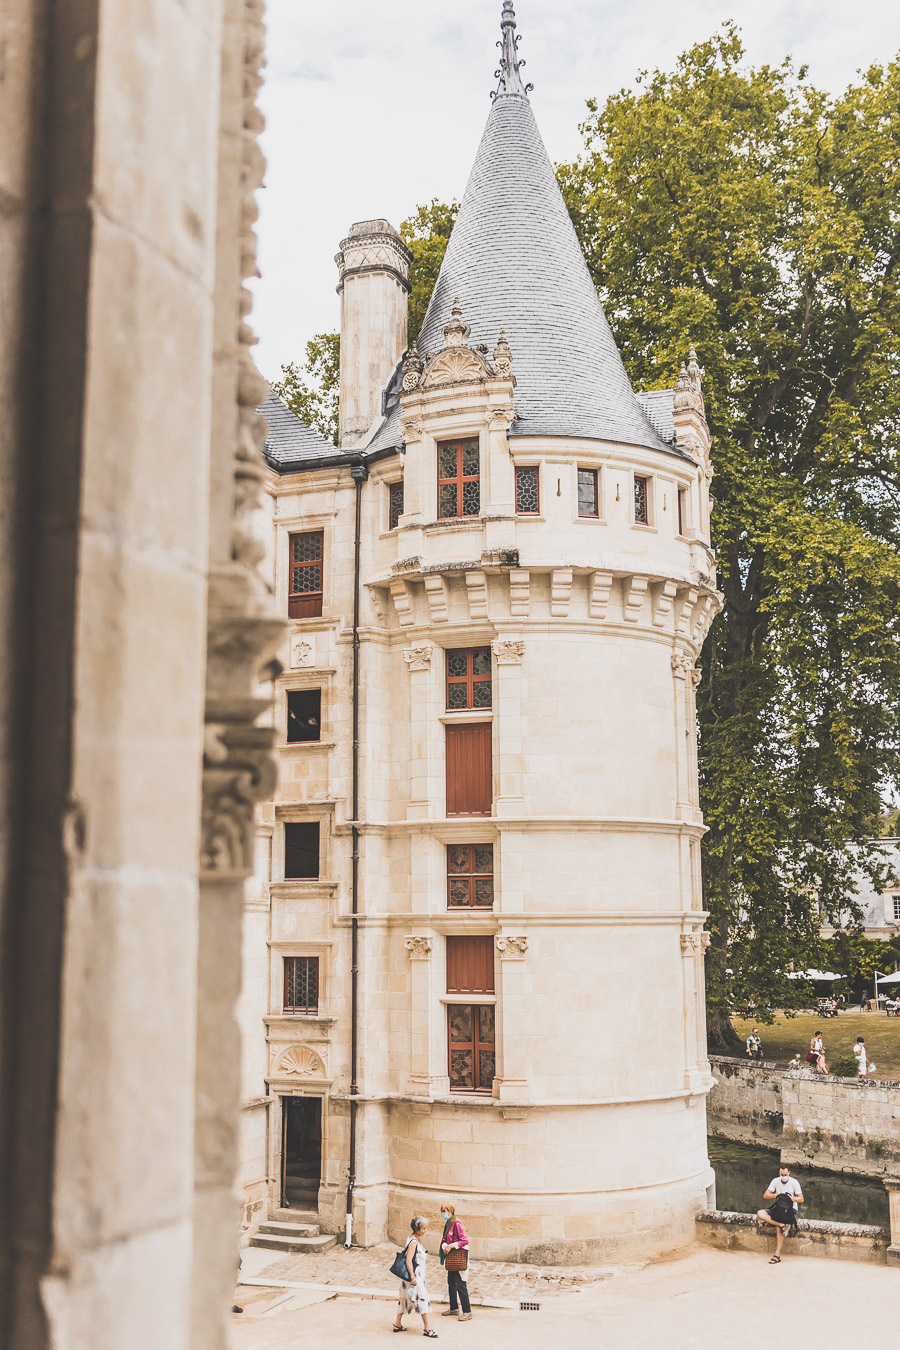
(293, 1233)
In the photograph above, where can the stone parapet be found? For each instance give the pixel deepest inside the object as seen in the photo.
(728, 1231)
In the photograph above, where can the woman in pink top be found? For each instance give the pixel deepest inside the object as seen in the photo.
(455, 1238)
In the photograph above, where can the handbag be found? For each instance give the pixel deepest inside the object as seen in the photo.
(456, 1259)
(400, 1268)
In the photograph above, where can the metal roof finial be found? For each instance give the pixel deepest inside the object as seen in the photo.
(510, 63)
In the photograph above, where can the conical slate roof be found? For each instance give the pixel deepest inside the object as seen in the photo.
(515, 262)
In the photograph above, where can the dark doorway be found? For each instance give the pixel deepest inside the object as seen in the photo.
(301, 1152)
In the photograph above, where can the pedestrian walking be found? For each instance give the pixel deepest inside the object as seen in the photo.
(859, 1051)
(785, 1193)
(754, 1045)
(455, 1260)
(413, 1293)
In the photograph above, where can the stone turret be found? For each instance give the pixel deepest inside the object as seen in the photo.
(374, 282)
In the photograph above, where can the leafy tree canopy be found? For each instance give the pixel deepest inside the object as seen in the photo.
(426, 235)
(311, 390)
(760, 217)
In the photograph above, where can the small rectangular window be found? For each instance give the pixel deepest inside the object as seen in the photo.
(304, 715)
(896, 900)
(468, 678)
(471, 1048)
(459, 489)
(301, 984)
(306, 559)
(682, 509)
(470, 876)
(587, 493)
(527, 496)
(395, 504)
(640, 501)
(301, 850)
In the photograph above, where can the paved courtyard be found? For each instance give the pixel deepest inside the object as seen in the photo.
(698, 1299)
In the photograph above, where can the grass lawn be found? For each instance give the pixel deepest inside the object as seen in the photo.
(790, 1034)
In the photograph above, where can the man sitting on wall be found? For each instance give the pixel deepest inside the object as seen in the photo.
(786, 1195)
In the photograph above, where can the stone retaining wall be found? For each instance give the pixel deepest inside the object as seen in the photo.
(727, 1231)
(838, 1124)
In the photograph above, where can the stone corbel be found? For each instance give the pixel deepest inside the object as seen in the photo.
(635, 590)
(519, 587)
(438, 596)
(560, 591)
(664, 600)
(702, 619)
(476, 591)
(404, 603)
(598, 596)
(418, 947)
(682, 665)
(683, 623)
(511, 948)
(418, 658)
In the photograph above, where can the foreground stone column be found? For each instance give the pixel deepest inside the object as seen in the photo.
(892, 1186)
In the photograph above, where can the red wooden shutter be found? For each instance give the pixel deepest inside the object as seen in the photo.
(470, 965)
(469, 786)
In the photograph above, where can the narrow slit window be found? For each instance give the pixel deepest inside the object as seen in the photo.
(306, 560)
(301, 984)
(459, 487)
(395, 504)
(527, 493)
(304, 715)
(470, 876)
(301, 850)
(588, 500)
(468, 678)
(640, 500)
(682, 509)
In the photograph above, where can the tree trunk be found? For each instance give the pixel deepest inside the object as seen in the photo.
(720, 1034)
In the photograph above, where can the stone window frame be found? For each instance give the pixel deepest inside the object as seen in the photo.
(317, 814)
(297, 523)
(478, 1046)
(892, 906)
(305, 825)
(315, 599)
(391, 486)
(460, 478)
(304, 689)
(290, 1010)
(594, 471)
(470, 877)
(279, 951)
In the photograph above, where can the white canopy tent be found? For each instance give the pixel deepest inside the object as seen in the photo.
(813, 975)
(889, 979)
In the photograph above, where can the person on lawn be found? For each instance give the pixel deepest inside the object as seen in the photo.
(785, 1193)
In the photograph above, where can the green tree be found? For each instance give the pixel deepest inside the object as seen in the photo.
(751, 213)
(426, 234)
(311, 391)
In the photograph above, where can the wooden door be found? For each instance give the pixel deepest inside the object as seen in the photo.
(469, 770)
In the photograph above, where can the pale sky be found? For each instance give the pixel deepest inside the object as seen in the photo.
(375, 106)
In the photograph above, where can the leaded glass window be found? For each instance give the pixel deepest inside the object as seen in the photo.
(587, 492)
(305, 590)
(395, 504)
(896, 900)
(682, 509)
(459, 488)
(471, 1047)
(301, 984)
(470, 876)
(640, 500)
(527, 503)
(468, 678)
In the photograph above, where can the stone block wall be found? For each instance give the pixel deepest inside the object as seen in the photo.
(846, 1124)
(745, 1104)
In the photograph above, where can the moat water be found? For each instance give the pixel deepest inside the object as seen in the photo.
(743, 1171)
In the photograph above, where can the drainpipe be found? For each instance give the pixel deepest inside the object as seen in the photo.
(359, 474)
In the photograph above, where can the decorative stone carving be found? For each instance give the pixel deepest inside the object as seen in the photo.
(683, 623)
(694, 944)
(476, 590)
(303, 652)
(438, 597)
(635, 590)
(514, 947)
(418, 946)
(519, 590)
(664, 600)
(455, 365)
(688, 392)
(598, 596)
(412, 369)
(300, 1061)
(499, 418)
(456, 332)
(402, 596)
(682, 665)
(502, 358)
(696, 677)
(413, 428)
(418, 658)
(508, 651)
(238, 771)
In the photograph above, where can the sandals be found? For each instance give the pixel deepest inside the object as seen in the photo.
(432, 1334)
(774, 1260)
(393, 1328)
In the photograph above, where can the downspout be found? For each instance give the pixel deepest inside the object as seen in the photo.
(359, 474)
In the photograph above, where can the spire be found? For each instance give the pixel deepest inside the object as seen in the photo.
(510, 65)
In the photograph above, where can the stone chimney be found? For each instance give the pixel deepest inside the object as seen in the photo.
(374, 271)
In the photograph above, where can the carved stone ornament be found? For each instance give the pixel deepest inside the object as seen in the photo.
(508, 651)
(412, 369)
(412, 428)
(457, 363)
(696, 677)
(303, 653)
(418, 658)
(694, 944)
(300, 1061)
(502, 358)
(511, 946)
(238, 771)
(682, 665)
(688, 391)
(419, 947)
(456, 333)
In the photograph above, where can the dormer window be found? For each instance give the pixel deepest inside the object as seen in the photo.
(459, 488)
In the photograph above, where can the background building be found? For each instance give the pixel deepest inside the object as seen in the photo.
(477, 943)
